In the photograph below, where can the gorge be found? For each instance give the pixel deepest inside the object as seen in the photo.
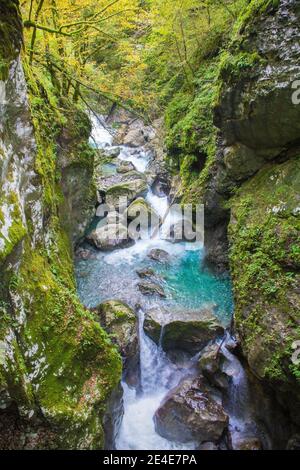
(109, 343)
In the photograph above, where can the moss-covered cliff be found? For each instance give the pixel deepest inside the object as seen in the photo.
(248, 179)
(58, 368)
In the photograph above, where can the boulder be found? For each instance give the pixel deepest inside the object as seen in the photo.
(129, 189)
(211, 364)
(113, 152)
(151, 288)
(188, 331)
(109, 237)
(135, 138)
(120, 321)
(161, 256)
(190, 413)
(145, 273)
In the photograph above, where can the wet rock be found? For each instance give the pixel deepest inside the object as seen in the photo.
(232, 345)
(159, 255)
(188, 331)
(154, 320)
(160, 187)
(145, 273)
(135, 138)
(113, 152)
(151, 288)
(109, 237)
(190, 413)
(120, 321)
(211, 364)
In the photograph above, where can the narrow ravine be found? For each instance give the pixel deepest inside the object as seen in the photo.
(113, 275)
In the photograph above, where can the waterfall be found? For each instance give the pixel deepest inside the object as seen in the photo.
(113, 275)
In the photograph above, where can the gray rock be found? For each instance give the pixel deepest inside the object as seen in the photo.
(129, 189)
(189, 331)
(109, 237)
(145, 273)
(159, 255)
(125, 167)
(190, 413)
(210, 365)
(151, 288)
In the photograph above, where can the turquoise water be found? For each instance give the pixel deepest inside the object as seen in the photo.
(191, 286)
(186, 284)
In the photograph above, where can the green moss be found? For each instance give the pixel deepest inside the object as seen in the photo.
(233, 67)
(10, 35)
(253, 11)
(191, 133)
(73, 364)
(62, 364)
(17, 230)
(265, 262)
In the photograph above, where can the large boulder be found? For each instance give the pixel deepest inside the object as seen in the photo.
(190, 413)
(120, 321)
(188, 331)
(110, 236)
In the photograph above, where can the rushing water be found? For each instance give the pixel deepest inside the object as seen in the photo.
(113, 276)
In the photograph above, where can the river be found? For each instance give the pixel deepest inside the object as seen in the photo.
(113, 275)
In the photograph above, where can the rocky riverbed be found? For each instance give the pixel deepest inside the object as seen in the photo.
(168, 315)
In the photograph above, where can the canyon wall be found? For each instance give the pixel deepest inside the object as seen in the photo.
(58, 368)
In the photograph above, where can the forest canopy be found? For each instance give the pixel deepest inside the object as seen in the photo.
(132, 52)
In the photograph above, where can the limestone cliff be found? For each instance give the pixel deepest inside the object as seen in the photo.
(255, 184)
(58, 368)
(237, 142)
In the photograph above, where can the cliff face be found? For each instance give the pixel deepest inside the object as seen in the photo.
(254, 183)
(58, 368)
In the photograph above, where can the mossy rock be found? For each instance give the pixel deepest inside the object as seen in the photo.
(130, 190)
(120, 321)
(265, 260)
